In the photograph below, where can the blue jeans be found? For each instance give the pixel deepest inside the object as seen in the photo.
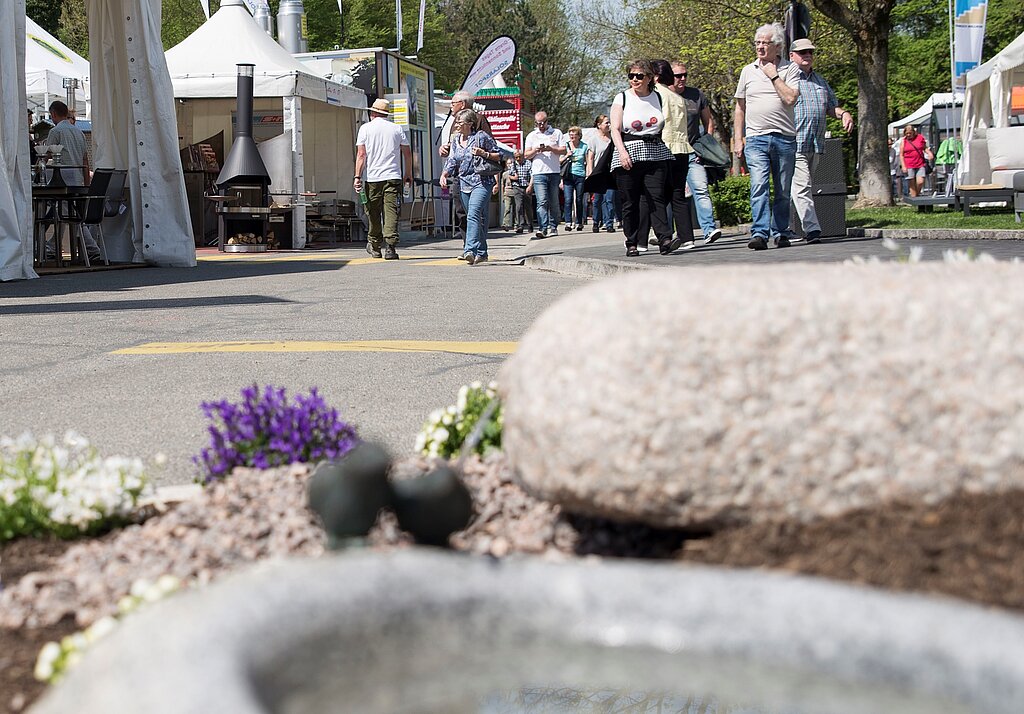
(604, 209)
(770, 155)
(476, 218)
(572, 190)
(697, 180)
(546, 188)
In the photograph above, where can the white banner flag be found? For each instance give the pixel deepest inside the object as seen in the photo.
(398, 23)
(968, 36)
(419, 32)
(206, 7)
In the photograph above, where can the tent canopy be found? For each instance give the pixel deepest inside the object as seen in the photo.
(203, 65)
(942, 102)
(47, 62)
(989, 85)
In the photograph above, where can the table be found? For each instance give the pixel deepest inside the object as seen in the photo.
(984, 192)
(44, 212)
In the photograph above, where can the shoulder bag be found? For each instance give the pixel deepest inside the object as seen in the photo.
(482, 166)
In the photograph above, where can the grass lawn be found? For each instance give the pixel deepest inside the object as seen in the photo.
(941, 217)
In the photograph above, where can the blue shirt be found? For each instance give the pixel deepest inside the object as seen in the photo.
(460, 161)
(579, 159)
(815, 101)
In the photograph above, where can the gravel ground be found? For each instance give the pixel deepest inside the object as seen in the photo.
(256, 515)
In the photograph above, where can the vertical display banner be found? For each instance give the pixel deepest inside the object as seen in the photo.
(494, 59)
(398, 24)
(968, 35)
(419, 30)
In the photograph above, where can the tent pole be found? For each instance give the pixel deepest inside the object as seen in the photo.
(952, 54)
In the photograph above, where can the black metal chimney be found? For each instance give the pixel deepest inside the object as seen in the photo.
(243, 163)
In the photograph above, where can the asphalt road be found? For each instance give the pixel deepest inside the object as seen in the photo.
(62, 334)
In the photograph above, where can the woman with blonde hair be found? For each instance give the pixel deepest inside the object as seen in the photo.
(473, 158)
(580, 160)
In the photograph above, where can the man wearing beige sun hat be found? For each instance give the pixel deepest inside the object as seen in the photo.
(382, 148)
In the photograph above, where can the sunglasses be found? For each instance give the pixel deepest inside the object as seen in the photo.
(636, 75)
(804, 52)
(680, 75)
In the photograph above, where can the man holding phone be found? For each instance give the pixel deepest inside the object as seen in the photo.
(543, 147)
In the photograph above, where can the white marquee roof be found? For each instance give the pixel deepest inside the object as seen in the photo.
(203, 65)
(48, 61)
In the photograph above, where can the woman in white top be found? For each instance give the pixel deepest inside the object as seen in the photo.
(639, 162)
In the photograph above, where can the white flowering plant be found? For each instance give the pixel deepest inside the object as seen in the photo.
(56, 658)
(64, 487)
(446, 430)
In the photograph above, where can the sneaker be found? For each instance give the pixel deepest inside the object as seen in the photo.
(540, 234)
(476, 260)
(782, 242)
(595, 228)
(390, 253)
(610, 229)
(579, 227)
(466, 256)
(758, 243)
(642, 248)
(814, 237)
(552, 232)
(519, 231)
(374, 252)
(712, 236)
(688, 245)
(653, 241)
(506, 228)
(670, 246)
(632, 251)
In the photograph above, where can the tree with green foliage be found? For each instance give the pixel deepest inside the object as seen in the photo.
(46, 13)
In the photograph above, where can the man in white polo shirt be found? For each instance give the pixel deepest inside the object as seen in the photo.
(765, 134)
(381, 148)
(543, 147)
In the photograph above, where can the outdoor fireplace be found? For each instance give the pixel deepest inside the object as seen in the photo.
(243, 210)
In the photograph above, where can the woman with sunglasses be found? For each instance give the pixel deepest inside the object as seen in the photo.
(639, 162)
(469, 147)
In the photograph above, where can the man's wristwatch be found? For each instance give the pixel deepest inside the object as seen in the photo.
(772, 79)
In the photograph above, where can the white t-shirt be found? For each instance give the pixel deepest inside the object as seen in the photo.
(765, 113)
(545, 162)
(383, 141)
(642, 115)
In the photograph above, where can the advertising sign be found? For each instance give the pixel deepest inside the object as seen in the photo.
(412, 82)
(493, 60)
(399, 108)
(968, 35)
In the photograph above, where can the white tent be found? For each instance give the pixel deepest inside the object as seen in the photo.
(989, 84)
(133, 128)
(944, 106)
(203, 70)
(47, 62)
(988, 92)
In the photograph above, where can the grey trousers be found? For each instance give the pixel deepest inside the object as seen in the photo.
(802, 196)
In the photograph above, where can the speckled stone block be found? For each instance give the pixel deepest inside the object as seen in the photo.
(703, 398)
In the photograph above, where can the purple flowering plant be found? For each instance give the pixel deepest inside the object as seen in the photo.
(267, 430)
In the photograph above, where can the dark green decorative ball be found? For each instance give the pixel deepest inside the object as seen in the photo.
(433, 506)
(348, 494)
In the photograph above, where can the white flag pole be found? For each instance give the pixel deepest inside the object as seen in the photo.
(419, 32)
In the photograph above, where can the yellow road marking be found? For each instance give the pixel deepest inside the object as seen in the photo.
(171, 348)
(264, 258)
(444, 261)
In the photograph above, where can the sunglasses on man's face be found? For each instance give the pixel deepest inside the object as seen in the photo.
(804, 52)
(636, 75)
(680, 75)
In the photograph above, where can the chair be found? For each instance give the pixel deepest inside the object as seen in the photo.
(101, 201)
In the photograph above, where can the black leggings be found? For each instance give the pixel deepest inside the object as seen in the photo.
(647, 181)
(676, 197)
